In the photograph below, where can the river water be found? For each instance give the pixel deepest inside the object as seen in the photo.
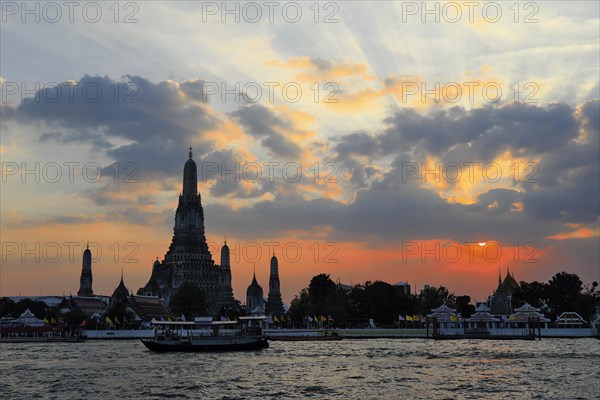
(347, 369)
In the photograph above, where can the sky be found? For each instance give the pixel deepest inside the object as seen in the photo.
(433, 143)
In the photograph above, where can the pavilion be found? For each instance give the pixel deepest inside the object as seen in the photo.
(445, 316)
(523, 315)
(482, 319)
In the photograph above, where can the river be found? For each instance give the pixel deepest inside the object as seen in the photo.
(347, 369)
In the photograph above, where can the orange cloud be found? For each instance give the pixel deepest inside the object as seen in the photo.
(578, 231)
(473, 89)
(461, 183)
(226, 134)
(319, 70)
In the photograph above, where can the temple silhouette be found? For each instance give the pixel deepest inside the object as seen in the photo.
(188, 258)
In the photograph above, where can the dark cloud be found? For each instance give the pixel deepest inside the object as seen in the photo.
(98, 140)
(357, 143)
(563, 189)
(168, 117)
(160, 120)
(520, 128)
(261, 122)
(227, 170)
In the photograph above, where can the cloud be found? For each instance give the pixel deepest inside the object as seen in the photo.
(261, 122)
(316, 69)
(379, 203)
(132, 119)
(390, 207)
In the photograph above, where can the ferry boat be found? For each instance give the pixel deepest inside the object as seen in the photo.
(38, 334)
(200, 336)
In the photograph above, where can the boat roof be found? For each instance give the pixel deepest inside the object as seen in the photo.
(173, 323)
(225, 322)
(252, 318)
(192, 323)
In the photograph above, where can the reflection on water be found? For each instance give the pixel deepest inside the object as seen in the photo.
(347, 369)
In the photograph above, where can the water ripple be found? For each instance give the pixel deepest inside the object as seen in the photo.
(350, 369)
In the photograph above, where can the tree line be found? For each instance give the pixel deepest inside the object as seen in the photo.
(382, 302)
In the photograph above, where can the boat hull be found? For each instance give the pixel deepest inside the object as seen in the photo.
(299, 338)
(205, 346)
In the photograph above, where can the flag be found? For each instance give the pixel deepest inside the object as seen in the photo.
(453, 317)
(282, 318)
(323, 319)
(52, 320)
(46, 321)
(170, 320)
(83, 323)
(330, 318)
(224, 318)
(316, 318)
(309, 318)
(409, 318)
(416, 318)
(116, 320)
(276, 319)
(108, 320)
(504, 318)
(511, 318)
(401, 318)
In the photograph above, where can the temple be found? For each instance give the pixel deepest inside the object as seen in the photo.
(274, 303)
(188, 258)
(85, 282)
(500, 303)
(121, 293)
(225, 290)
(255, 302)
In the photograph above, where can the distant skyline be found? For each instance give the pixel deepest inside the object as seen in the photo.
(417, 163)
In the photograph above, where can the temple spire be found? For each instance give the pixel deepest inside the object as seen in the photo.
(188, 232)
(274, 302)
(85, 281)
(190, 179)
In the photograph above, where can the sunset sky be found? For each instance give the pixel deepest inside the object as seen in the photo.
(367, 143)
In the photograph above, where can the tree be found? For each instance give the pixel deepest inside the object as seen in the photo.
(563, 292)
(433, 297)
(38, 308)
(357, 304)
(533, 293)
(7, 307)
(189, 300)
(464, 306)
(300, 308)
(327, 299)
(320, 287)
(382, 301)
(322, 298)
